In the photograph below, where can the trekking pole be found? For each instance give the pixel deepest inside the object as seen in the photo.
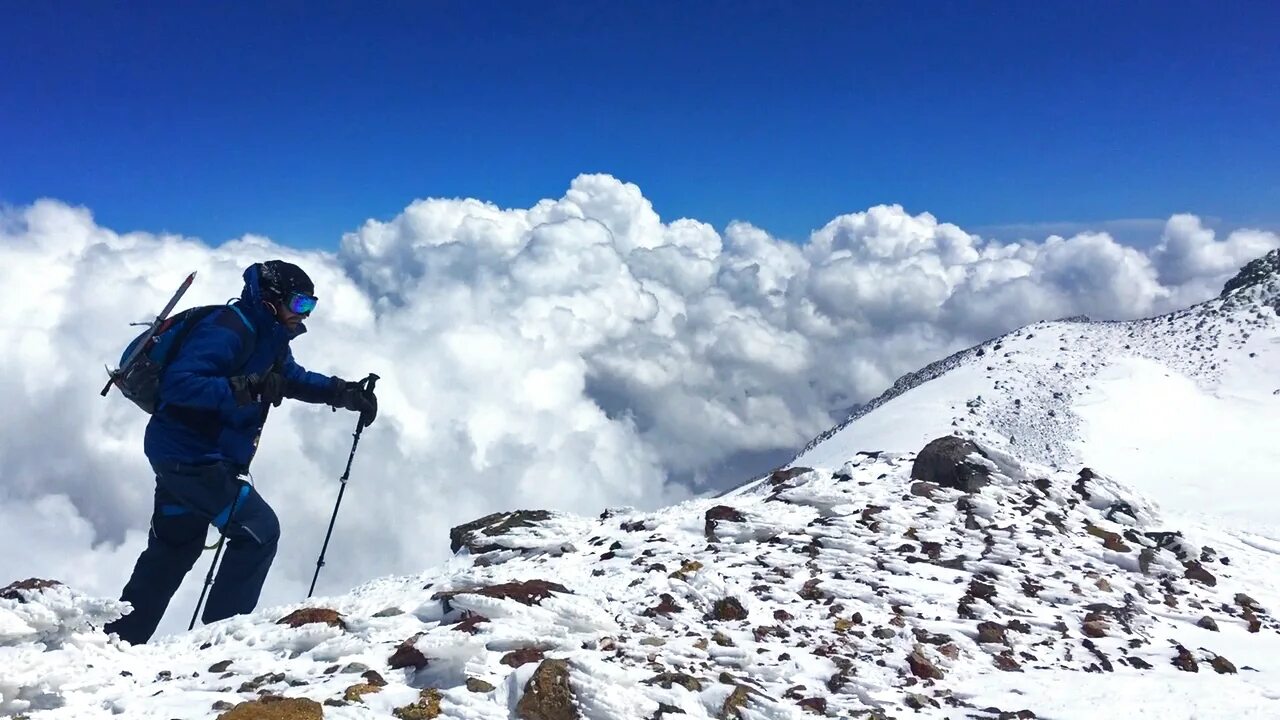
(208, 580)
(366, 385)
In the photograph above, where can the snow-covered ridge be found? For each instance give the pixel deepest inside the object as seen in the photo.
(837, 591)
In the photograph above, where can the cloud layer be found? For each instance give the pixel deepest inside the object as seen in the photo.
(574, 355)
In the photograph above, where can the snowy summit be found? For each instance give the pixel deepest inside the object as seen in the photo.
(1070, 521)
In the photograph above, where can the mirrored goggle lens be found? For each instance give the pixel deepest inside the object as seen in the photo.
(301, 304)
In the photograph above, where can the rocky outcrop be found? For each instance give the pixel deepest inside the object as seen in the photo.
(475, 535)
(547, 695)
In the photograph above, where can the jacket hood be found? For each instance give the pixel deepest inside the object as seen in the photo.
(252, 301)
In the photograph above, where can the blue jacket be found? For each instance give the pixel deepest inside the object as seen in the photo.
(197, 420)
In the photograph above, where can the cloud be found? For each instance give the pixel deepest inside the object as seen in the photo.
(577, 354)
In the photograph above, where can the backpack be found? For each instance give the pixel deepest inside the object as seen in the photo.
(140, 382)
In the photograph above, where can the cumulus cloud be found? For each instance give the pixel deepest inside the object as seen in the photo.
(574, 355)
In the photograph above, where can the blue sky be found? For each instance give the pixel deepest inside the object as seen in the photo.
(299, 121)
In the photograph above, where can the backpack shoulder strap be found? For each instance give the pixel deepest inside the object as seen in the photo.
(244, 328)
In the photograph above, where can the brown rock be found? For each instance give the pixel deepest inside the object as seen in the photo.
(1005, 662)
(949, 650)
(1222, 665)
(275, 708)
(992, 632)
(547, 695)
(779, 477)
(20, 589)
(718, 514)
(946, 462)
(472, 535)
(811, 590)
(470, 622)
(728, 609)
(815, 705)
(426, 708)
(306, 616)
(373, 678)
(357, 692)
(1110, 540)
(1185, 661)
(922, 666)
(406, 655)
(925, 489)
(1247, 602)
(1195, 571)
(782, 615)
(666, 679)
(1094, 627)
(666, 605)
(525, 592)
(1207, 623)
(734, 704)
(523, 656)
(476, 685)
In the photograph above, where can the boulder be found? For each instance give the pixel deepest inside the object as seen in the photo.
(547, 695)
(946, 462)
(306, 616)
(272, 707)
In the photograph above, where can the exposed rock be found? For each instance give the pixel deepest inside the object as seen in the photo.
(373, 678)
(925, 489)
(1005, 662)
(666, 679)
(1195, 571)
(727, 609)
(525, 592)
(476, 685)
(1110, 540)
(1207, 623)
(547, 695)
(472, 535)
(406, 655)
(306, 616)
(922, 666)
(426, 707)
(357, 692)
(1253, 273)
(815, 705)
(779, 477)
(1185, 661)
(1094, 627)
(1248, 603)
(884, 633)
(718, 514)
(523, 656)
(470, 622)
(916, 701)
(220, 667)
(992, 632)
(945, 462)
(1222, 665)
(18, 590)
(260, 681)
(666, 605)
(272, 707)
(734, 704)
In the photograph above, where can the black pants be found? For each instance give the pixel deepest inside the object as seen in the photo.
(188, 499)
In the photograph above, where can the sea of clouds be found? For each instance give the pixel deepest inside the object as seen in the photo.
(574, 355)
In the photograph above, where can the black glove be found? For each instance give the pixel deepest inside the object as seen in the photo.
(351, 396)
(258, 387)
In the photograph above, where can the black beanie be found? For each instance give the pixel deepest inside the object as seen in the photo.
(279, 279)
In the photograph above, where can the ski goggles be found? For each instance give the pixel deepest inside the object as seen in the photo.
(300, 304)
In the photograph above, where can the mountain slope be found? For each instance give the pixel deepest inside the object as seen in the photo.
(987, 575)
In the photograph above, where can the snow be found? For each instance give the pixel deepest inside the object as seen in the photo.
(839, 584)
